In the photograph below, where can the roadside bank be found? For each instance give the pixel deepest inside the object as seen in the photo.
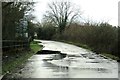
(14, 59)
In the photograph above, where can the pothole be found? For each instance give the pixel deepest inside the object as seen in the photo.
(53, 55)
(48, 52)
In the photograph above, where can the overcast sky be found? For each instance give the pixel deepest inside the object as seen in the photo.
(95, 10)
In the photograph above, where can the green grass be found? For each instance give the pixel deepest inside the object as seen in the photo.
(13, 62)
(35, 47)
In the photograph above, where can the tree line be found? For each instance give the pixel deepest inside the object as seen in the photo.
(16, 17)
(101, 38)
(60, 23)
(16, 24)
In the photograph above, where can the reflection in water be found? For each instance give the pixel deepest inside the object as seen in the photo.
(78, 63)
(65, 68)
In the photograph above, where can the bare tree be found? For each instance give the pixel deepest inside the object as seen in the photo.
(62, 14)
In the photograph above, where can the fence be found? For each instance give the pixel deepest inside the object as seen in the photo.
(15, 44)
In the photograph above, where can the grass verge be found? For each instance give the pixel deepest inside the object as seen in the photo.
(14, 59)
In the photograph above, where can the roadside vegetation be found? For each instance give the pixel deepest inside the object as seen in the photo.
(62, 22)
(14, 59)
(17, 34)
(101, 37)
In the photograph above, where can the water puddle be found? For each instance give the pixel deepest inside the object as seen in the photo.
(60, 60)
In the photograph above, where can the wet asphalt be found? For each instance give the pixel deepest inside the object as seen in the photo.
(77, 63)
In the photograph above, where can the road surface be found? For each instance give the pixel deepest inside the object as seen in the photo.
(79, 63)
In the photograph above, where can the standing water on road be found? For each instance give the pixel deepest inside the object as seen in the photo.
(77, 63)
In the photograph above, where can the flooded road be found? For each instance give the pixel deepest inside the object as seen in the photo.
(78, 63)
